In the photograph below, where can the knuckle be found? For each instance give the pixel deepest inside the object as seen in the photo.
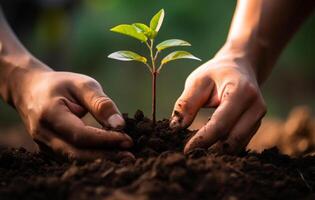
(89, 84)
(196, 81)
(183, 105)
(189, 81)
(192, 76)
(230, 89)
(251, 90)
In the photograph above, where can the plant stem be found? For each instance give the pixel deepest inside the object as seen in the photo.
(151, 55)
(156, 55)
(154, 97)
(154, 74)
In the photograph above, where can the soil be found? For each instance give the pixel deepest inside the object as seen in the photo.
(159, 171)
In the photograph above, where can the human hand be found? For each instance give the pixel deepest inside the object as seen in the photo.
(228, 83)
(51, 104)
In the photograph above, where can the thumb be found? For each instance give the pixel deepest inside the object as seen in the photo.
(105, 111)
(194, 96)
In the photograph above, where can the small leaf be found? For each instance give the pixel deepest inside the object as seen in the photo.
(171, 43)
(141, 27)
(178, 55)
(127, 56)
(147, 31)
(129, 30)
(157, 20)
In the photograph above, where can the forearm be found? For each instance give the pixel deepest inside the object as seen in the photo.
(261, 29)
(14, 59)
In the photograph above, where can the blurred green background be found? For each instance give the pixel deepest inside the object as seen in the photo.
(79, 40)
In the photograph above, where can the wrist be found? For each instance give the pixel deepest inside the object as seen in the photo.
(256, 50)
(237, 56)
(15, 72)
(253, 56)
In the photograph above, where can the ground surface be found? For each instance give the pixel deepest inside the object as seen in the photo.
(160, 171)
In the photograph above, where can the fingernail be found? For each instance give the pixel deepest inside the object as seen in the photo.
(174, 124)
(116, 121)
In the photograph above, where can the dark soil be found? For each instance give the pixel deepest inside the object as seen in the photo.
(160, 171)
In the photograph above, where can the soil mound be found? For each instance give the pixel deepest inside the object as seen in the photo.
(160, 171)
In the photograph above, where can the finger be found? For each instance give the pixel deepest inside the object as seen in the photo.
(56, 146)
(194, 96)
(233, 104)
(63, 122)
(244, 129)
(105, 111)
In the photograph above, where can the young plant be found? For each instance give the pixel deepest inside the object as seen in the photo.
(147, 34)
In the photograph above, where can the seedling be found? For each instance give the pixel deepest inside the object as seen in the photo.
(147, 34)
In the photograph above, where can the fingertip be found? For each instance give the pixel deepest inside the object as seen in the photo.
(126, 144)
(185, 110)
(186, 149)
(191, 144)
(116, 121)
(200, 140)
(125, 155)
(175, 123)
(124, 141)
(176, 120)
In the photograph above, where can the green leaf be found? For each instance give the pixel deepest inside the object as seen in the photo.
(157, 20)
(142, 27)
(171, 43)
(129, 30)
(147, 31)
(178, 55)
(127, 56)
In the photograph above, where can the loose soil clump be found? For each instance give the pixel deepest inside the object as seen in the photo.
(159, 171)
